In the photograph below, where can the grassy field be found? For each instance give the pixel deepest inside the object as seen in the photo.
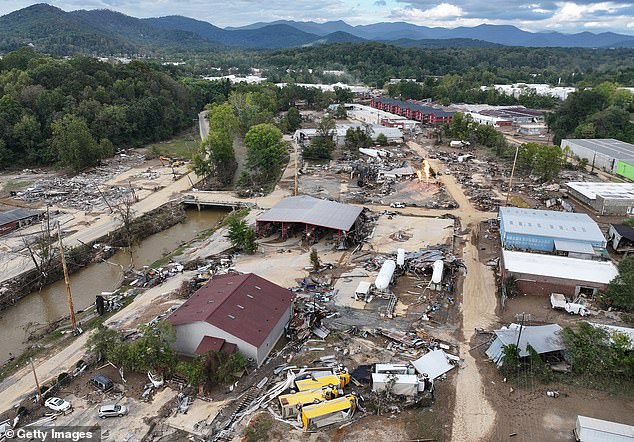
(184, 145)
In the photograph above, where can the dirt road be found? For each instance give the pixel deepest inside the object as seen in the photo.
(473, 415)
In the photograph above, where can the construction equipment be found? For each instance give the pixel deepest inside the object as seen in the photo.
(330, 412)
(292, 403)
(164, 159)
(341, 379)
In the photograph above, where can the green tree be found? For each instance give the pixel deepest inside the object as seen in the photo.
(620, 291)
(292, 120)
(341, 113)
(381, 139)
(73, 144)
(242, 237)
(266, 153)
(545, 162)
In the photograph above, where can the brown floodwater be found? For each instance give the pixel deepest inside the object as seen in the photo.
(49, 304)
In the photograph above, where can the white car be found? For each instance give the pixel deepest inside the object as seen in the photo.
(57, 404)
(112, 411)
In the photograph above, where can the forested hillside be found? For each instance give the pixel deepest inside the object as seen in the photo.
(77, 110)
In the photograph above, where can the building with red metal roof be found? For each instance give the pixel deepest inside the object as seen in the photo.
(233, 311)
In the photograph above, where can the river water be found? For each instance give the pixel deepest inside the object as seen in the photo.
(49, 304)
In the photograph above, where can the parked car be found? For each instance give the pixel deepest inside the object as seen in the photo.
(57, 404)
(113, 410)
(103, 383)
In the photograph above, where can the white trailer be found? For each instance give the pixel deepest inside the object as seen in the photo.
(589, 429)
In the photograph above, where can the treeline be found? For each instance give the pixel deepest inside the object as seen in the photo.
(376, 63)
(601, 112)
(75, 111)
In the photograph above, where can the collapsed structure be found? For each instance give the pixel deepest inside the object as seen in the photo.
(242, 312)
(17, 218)
(312, 215)
(392, 134)
(543, 339)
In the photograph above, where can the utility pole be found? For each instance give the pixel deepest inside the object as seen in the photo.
(508, 193)
(39, 390)
(104, 198)
(67, 281)
(296, 173)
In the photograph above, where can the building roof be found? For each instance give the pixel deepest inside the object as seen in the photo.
(416, 107)
(574, 246)
(543, 338)
(613, 191)
(627, 331)
(209, 343)
(600, 272)
(606, 146)
(625, 231)
(601, 426)
(548, 223)
(16, 215)
(308, 210)
(243, 305)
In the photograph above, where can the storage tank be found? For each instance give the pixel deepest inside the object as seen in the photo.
(400, 257)
(385, 275)
(436, 277)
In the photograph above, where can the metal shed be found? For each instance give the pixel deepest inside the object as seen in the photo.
(543, 338)
(312, 212)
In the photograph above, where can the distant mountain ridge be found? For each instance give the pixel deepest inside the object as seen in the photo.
(104, 31)
(500, 34)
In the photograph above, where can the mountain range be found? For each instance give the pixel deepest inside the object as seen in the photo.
(103, 31)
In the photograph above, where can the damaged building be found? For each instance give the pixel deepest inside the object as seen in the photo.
(242, 312)
(311, 216)
(18, 218)
(544, 339)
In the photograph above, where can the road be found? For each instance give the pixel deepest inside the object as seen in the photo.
(104, 225)
(203, 125)
(474, 416)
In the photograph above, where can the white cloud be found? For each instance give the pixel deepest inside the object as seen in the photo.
(438, 12)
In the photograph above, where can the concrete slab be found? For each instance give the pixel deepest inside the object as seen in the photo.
(347, 287)
(421, 231)
(200, 415)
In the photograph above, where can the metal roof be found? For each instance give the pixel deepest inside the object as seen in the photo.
(574, 246)
(562, 225)
(606, 146)
(246, 306)
(625, 231)
(600, 272)
(599, 425)
(543, 338)
(627, 331)
(16, 215)
(612, 191)
(308, 210)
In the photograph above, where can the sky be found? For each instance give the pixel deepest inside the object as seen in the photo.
(532, 15)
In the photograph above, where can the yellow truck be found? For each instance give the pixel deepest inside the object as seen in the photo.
(330, 412)
(339, 380)
(292, 403)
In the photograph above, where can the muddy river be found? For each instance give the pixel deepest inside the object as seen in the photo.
(50, 304)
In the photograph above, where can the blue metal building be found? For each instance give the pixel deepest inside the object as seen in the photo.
(576, 234)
